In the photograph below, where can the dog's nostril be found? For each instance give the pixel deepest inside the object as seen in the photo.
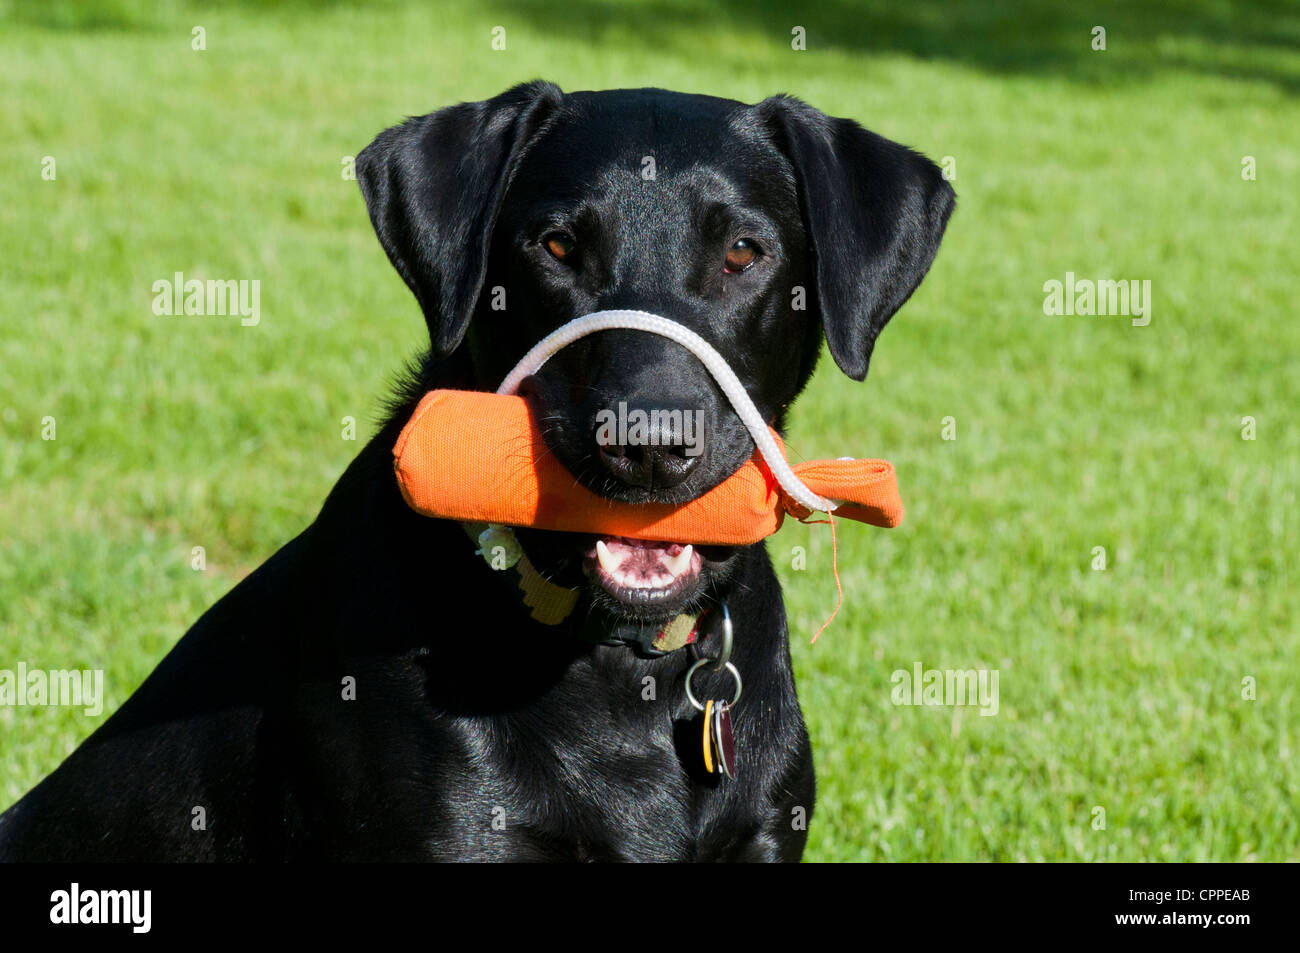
(648, 467)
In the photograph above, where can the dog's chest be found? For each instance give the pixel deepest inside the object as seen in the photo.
(586, 772)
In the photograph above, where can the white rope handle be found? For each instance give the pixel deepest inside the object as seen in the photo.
(731, 386)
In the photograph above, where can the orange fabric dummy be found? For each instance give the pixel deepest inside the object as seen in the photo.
(479, 457)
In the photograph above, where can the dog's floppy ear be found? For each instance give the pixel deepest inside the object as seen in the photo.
(433, 186)
(874, 212)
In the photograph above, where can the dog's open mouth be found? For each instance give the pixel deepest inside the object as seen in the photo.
(640, 572)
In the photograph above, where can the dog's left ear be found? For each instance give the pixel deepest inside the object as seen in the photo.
(434, 185)
(874, 212)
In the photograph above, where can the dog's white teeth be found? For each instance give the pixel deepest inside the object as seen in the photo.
(607, 560)
(681, 562)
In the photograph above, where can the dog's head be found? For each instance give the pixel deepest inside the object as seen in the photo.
(760, 227)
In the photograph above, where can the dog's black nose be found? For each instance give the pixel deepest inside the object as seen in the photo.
(648, 468)
(650, 449)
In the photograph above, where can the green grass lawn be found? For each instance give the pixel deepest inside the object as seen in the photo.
(1119, 689)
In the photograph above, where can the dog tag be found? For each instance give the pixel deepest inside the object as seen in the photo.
(724, 740)
(708, 738)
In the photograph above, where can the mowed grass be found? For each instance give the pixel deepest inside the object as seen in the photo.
(1120, 689)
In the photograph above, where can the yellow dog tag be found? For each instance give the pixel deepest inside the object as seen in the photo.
(708, 737)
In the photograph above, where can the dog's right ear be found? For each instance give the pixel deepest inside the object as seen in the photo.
(433, 186)
(874, 212)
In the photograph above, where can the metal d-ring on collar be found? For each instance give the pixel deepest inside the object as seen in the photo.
(722, 661)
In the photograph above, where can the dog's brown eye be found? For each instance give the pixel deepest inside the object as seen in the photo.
(559, 245)
(741, 255)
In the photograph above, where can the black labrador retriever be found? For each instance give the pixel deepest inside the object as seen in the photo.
(377, 690)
